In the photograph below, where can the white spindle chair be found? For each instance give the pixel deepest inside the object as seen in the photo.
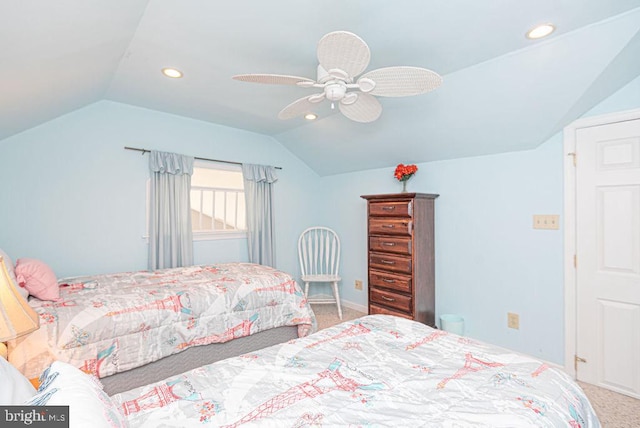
(319, 254)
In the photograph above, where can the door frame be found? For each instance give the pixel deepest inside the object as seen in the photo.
(570, 279)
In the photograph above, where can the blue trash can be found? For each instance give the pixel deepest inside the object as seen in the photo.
(452, 323)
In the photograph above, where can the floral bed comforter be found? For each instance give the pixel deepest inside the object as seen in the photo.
(377, 371)
(105, 324)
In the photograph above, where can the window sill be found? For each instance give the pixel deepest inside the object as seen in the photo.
(214, 236)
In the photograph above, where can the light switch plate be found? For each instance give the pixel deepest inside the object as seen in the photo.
(546, 221)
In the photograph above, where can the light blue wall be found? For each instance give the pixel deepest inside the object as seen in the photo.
(489, 259)
(75, 198)
(627, 98)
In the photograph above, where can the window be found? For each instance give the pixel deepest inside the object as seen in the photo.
(217, 201)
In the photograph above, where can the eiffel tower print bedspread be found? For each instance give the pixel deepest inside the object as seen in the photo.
(376, 371)
(104, 324)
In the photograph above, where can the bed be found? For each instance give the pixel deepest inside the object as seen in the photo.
(378, 370)
(133, 328)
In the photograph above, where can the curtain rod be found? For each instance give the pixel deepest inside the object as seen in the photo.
(204, 159)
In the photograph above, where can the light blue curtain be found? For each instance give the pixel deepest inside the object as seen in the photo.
(170, 234)
(258, 191)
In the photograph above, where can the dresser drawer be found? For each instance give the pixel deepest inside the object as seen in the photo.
(390, 244)
(390, 299)
(390, 262)
(390, 226)
(389, 280)
(375, 309)
(391, 209)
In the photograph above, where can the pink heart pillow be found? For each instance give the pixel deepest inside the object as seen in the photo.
(38, 279)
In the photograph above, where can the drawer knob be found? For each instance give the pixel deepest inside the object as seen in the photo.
(389, 281)
(388, 226)
(388, 299)
(389, 208)
(389, 244)
(388, 262)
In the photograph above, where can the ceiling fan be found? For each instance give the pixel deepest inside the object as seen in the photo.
(343, 56)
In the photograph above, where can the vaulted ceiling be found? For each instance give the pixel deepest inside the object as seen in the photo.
(501, 91)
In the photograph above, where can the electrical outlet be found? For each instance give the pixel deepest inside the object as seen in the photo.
(358, 284)
(551, 221)
(513, 320)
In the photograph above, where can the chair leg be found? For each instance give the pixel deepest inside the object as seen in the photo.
(306, 290)
(336, 294)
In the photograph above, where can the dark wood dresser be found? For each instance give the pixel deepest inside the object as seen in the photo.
(401, 255)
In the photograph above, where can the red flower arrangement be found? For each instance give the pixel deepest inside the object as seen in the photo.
(405, 172)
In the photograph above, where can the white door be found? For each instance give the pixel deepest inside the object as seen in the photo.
(608, 255)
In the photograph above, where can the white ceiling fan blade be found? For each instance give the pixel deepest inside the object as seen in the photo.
(272, 79)
(297, 108)
(366, 85)
(344, 51)
(336, 73)
(402, 81)
(366, 109)
(316, 98)
(349, 98)
(307, 84)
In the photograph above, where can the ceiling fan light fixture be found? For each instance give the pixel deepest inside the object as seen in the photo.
(335, 91)
(173, 73)
(540, 31)
(311, 116)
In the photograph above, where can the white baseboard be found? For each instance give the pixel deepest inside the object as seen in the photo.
(351, 305)
(355, 306)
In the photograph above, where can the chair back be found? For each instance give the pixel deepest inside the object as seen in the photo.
(319, 251)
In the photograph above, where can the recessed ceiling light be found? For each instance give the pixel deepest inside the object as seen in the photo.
(310, 116)
(540, 31)
(172, 72)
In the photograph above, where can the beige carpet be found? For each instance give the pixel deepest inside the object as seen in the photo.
(327, 315)
(614, 410)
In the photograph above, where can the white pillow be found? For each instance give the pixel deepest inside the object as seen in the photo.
(12, 274)
(15, 389)
(89, 406)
